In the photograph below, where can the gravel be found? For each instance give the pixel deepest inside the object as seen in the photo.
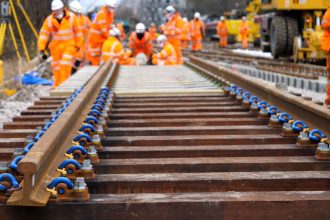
(19, 102)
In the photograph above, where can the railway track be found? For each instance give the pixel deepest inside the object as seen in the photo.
(285, 67)
(174, 145)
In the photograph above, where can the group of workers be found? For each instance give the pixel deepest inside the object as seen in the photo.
(73, 39)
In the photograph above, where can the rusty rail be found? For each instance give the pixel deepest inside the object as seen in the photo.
(308, 111)
(39, 165)
(263, 63)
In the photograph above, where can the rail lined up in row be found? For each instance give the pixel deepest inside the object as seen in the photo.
(177, 141)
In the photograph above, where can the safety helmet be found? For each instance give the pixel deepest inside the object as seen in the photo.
(185, 19)
(197, 15)
(222, 18)
(140, 28)
(76, 7)
(170, 10)
(114, 32)
(244, 18)
(57, 5)
(112, 3)
(161, 39)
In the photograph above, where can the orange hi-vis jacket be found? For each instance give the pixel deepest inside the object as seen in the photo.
(122, 31)
(197, 29)
(185, 32)
(63, 40)
(98, 33)
(244, 31)
(222, 30)
(84, 25)
(113, 49)
(141, 46)
(59, 36)
(325, 41)
(173, 31)
(152, 32)
(166, 57)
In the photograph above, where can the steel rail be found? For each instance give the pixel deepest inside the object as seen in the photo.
(285, 67)
(39, 166)
(311, 113)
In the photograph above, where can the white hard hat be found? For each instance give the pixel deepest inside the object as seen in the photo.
(140, 28)
(197, 15)
(57, 5)
(76, 7)
(222, 18)
(185, 19)
(161, 39)
(170, 9)
(114, 32)
(244, 18)
(112, 3)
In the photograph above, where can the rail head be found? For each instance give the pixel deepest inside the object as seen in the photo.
(39, 166)
(314, 115)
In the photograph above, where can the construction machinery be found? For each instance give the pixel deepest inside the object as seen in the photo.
(292, 28)
(234, 22)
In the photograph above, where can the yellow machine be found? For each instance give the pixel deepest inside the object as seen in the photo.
(292, 28)
(234, 25)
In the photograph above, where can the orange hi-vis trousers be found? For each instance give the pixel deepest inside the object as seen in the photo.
(223, 41)
(62, 64)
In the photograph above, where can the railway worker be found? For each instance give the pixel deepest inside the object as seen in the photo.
(222, 32)
(84, 24)
(60, 33)
(152, 31)
(120, 26)
(185, 38)
(140, 41)
(99, 31)
(113, 49)
(173, 30)
(168, 54)
(325, 45)
(244, 31)
(197, 32)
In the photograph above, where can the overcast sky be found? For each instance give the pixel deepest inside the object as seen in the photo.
(90, 4)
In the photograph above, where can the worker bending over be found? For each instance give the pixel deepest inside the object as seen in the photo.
(244, 31)
(185, 37)
(84, 24)
(99, 31)
(222, 32)
(173, 30)
(152, 31)
(61, 34)
(113, 49)
(140, 41)
(120, 26)
(325, 44)
(167, 56)
(197, 32)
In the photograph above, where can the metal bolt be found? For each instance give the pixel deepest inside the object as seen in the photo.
(92, 151)
(28, 139)
(18, 152)
(80, 184)
(87, 165)
(323, 147)
(3, 167)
